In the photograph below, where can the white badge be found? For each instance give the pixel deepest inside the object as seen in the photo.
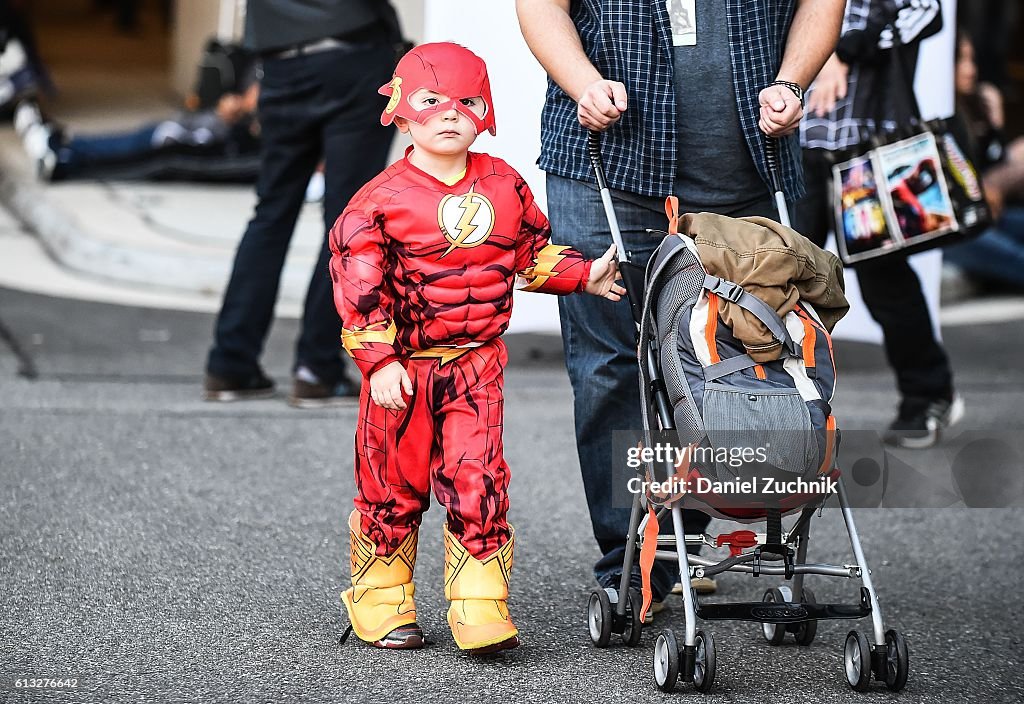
(682, 15)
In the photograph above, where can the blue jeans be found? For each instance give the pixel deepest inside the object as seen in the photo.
(599, 338)
(322, 105)
(998, 253)
(85, 151)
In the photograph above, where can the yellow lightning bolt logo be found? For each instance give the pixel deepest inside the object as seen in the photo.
(468, 230)
(396, 95)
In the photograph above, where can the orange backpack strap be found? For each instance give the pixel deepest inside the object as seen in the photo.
(672, 212)
(647, 553)
(810, 337)
(830, 443)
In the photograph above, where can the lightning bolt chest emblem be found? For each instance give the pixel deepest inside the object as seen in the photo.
(465, 220)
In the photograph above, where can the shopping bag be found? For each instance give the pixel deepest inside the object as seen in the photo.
(907, 196)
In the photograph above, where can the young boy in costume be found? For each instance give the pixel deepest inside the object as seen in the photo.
(425, 259)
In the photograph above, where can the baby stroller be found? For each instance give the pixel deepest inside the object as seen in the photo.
(672, 406)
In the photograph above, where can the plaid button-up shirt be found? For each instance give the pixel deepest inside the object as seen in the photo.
(630, 41)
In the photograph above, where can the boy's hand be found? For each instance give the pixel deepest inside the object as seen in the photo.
(387, 384)
(604, 272)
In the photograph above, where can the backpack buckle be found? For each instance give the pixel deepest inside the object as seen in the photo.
(729, 291)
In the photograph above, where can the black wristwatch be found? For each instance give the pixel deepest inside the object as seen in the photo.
(795, 87)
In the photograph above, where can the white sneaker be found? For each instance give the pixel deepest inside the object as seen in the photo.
(26, 115)
(36, 136)
(315, 188)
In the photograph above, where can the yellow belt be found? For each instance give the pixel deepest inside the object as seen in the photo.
(445, 354)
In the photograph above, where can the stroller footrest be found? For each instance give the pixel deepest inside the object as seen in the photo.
(784, 612)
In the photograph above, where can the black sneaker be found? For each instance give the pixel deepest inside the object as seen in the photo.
(312, 394)
(217, 388)
(920, 422)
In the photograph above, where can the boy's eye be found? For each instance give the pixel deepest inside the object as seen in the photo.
(430, 101)
(468, 102)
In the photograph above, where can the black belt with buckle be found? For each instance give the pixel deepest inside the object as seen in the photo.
(314, 47)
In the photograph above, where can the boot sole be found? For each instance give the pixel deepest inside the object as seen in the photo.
(411, 642)
(507, 644)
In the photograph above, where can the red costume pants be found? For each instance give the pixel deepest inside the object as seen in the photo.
(448, 438)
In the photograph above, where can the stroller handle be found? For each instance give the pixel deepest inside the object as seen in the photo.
(771, 155)
(594, 150)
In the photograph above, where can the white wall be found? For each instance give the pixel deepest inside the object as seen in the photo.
(194, 22)
(491, 30)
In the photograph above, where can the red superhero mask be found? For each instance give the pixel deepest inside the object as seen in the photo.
(445, 68)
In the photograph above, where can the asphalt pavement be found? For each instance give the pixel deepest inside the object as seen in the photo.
(163, 549)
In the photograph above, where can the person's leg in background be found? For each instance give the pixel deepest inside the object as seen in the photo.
(291, 149)
(997, 255)
(600, 355)
(355, 150)
(892, 293)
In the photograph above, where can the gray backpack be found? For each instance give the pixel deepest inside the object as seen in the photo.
(769, 423)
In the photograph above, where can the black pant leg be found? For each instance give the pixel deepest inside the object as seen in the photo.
(355, 150)
(289, 153)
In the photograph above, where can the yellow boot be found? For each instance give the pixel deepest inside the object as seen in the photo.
(478, 591)
(380, 602)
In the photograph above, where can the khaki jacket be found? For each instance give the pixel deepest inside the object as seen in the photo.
(774, 263)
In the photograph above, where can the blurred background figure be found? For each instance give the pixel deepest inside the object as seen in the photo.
(218, 143)
(991, 27)
(855, 90)
(322, 66)
(996, 257)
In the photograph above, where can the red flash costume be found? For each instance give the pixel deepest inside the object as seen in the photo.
(423, 274)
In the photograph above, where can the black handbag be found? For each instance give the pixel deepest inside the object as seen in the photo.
(906, 188)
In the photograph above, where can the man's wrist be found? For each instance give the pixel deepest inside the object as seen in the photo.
(796, 88)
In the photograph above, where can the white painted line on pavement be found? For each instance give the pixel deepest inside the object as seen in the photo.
(980, 311)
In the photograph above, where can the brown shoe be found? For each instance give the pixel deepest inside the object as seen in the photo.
(218, 388)
(313, 395)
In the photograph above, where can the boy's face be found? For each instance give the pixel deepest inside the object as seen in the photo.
(445, 133)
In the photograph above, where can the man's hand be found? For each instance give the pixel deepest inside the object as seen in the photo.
(387, 384)
(601, 104)
(829, 87)
(604, 272)
(781, 111)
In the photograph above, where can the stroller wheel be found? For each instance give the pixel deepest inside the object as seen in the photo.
(897, 661)
(666, 660)
(704, 665)
(634, 626)
(857, 659)
(599, 618)
(774, 633)
(806, 631)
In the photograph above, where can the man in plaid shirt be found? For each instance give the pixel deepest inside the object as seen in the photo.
(684, 92)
